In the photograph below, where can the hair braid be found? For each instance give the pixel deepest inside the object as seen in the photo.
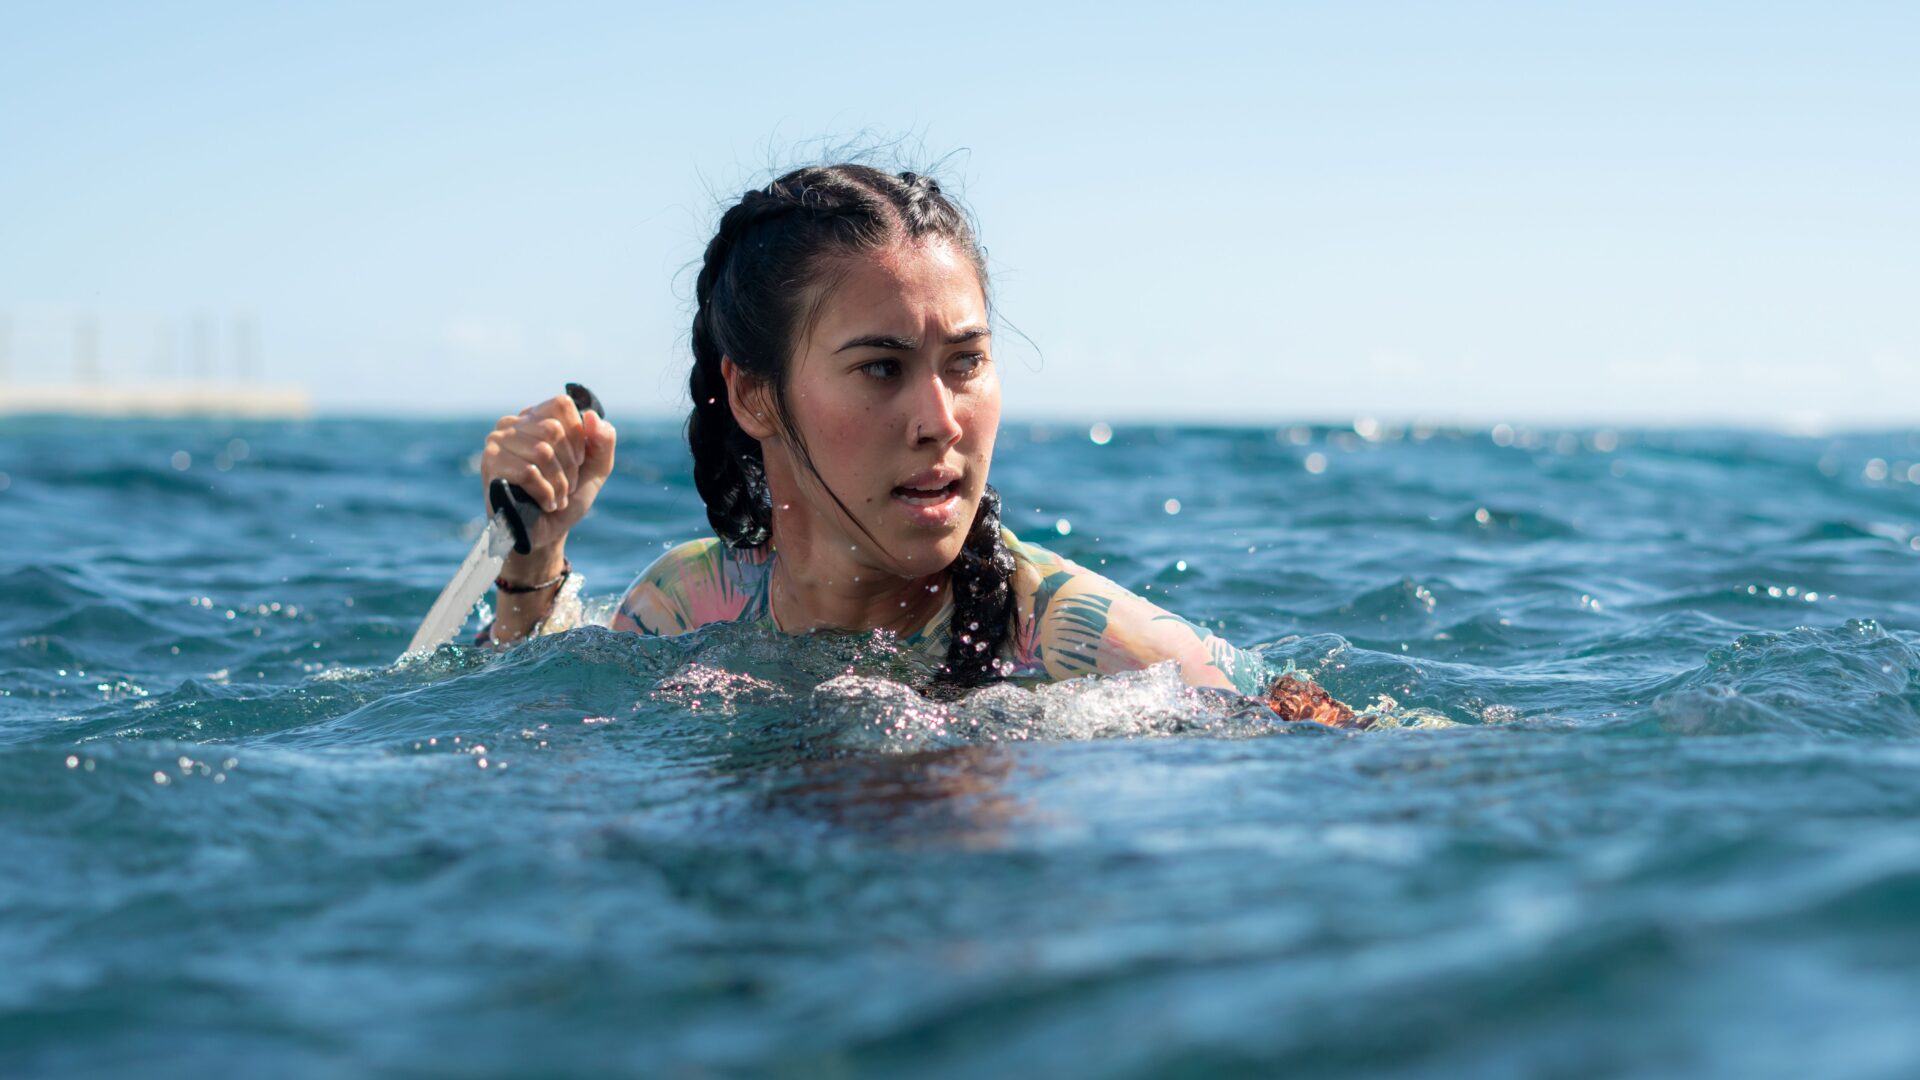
(982, 598)
(728, 469)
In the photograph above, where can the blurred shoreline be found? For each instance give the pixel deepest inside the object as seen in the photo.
(158, 400)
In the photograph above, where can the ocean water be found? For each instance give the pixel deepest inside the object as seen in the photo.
(1647, 801)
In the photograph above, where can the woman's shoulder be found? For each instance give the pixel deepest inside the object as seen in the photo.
(1049, 587)
(1072, 621)
(693, 584)
(1040, 572)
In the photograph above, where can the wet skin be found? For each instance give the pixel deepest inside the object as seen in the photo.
(894, 397)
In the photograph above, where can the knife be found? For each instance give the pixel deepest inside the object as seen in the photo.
(509, 528)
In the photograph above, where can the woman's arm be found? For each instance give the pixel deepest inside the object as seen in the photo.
(1076, 622)
(1084, 624)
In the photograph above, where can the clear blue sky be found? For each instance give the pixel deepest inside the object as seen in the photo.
(1622, 211)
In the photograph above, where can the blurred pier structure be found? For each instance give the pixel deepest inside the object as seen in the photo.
(92, 372)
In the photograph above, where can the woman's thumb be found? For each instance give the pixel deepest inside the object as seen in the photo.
(601, 437)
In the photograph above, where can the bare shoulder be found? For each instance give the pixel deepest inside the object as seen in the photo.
(1073, 621)
(691, 585)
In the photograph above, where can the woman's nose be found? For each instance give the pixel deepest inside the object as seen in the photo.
(934, 417)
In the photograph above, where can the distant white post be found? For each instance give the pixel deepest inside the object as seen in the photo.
(86, 348)
(202, 348)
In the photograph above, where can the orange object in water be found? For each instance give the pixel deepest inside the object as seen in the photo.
(1295, 698)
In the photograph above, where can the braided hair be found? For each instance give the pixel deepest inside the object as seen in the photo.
(750, 297)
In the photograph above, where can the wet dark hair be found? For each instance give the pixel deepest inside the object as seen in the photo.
(763, 269)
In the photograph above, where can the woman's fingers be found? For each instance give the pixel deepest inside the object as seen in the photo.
(522, 457)
(544, 458)
(554, 454)
(566, 451)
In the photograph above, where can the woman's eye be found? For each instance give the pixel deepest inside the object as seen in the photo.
(968, 363)
(881, 369)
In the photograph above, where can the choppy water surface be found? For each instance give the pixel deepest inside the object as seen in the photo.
(1673, 827)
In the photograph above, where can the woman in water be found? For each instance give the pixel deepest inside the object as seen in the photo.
(845, 404)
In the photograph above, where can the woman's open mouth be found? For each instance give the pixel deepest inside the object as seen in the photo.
(929, 505)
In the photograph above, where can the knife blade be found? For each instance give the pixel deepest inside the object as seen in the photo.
(510, 528)
(455, 604)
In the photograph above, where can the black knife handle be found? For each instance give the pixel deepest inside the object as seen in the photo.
(514, 504)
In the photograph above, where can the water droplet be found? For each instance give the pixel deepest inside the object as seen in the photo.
(1181, 565)
(1063, 526)
(1482, 516)
(73, 761)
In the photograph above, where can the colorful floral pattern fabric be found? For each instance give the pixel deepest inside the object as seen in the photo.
(1069, 621)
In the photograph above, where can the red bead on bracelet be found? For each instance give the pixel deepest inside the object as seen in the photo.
(505, 586)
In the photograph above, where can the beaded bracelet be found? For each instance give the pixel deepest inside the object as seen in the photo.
(505, 586)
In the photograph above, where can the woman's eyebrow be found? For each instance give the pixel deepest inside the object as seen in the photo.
(909, 344)
(881, 341)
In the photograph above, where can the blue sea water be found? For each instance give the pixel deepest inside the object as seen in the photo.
(1651, 806)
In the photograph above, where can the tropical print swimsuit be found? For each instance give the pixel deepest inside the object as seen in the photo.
(1069, 621)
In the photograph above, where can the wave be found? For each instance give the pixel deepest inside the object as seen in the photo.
(1856, 679)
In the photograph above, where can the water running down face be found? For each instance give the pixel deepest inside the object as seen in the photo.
(895, 397)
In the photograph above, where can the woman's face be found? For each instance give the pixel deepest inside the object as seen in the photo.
(894, 391)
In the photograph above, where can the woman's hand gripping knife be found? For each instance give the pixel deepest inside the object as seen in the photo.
(560, 458)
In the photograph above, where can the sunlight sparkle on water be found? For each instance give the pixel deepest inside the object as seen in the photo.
(1316, 463)
(1171, 506)
(1101, 434)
